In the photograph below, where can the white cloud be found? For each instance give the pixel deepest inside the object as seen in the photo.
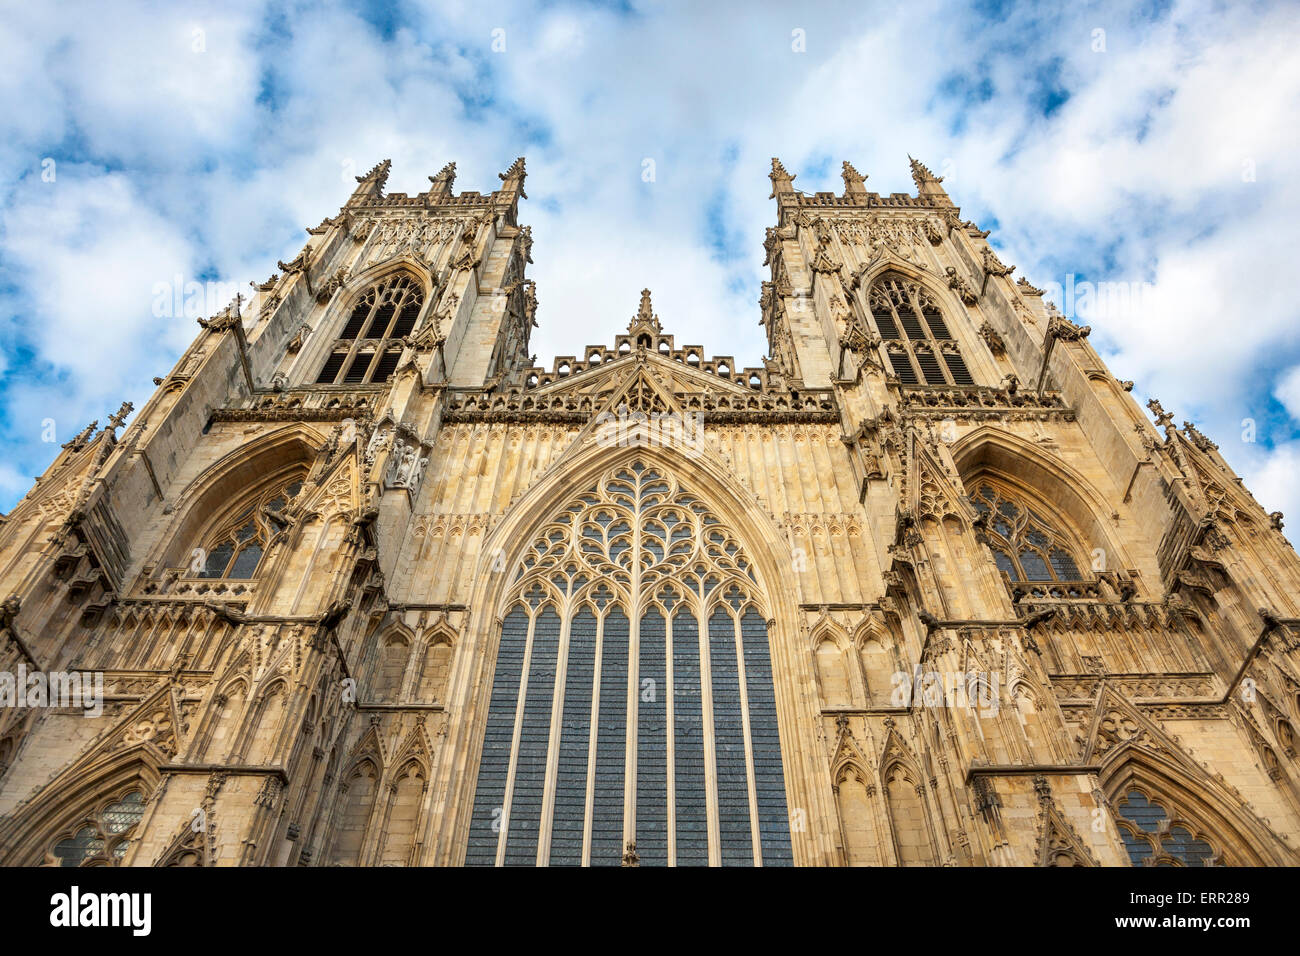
(172, 159)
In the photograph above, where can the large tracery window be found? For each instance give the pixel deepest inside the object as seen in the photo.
(921, 350)
(368, 348)
(1153, 839)
(234, 548)
(1026, 547)
(632, 716)
(101, 838)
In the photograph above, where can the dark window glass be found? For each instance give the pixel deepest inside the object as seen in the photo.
(385, 367)
(489, 796)
(929, 367)
(355, 321)
(247, 562)
(330, 371)
(357, 371)
(957, 368)
(903, 369)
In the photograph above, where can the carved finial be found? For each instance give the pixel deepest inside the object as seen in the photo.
(853, 180)
(442, 183)
(83, 436)
(921, 174)
(781, 180)
(377, 175)
(645, 319)
(116, 421)
(513, 178)
(1163, 418)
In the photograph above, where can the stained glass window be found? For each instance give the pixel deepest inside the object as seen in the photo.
(1026, 546)
(102, 839)
(235, 548)
(632, 716)
(1152, 840)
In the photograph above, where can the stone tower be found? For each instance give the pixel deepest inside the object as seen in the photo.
(362, 585)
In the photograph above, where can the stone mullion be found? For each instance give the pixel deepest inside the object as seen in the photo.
(508, 795)
(750, 783)
(710, 741)
(593, 738)
(553, 741)
(670, 733)
(635, 607)
(355, 347)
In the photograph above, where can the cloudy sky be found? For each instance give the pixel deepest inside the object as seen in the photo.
(1152, 145)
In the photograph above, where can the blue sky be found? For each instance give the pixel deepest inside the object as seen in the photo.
(1148, 145)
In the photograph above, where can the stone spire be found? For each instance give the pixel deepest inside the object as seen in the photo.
(442, 183)
(371, 184)
(927, 183)
(513, 178)
(645, 320)
(854, 181)
(781, 180)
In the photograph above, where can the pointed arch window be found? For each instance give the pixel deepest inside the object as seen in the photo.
(370, 345)
(1026, 546)
(101, 838)
(1153, 838)
(234, 549)
(632, 715)
(920, 347)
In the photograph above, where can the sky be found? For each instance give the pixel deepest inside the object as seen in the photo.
(1138, 160)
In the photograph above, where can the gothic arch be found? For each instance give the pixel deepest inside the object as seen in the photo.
(1239, 840)
(65, 802)
(765, 547)
(833, 653)
(236, 477)
(337, 313)
(877, 661)
(1135, 751)
(854, 789)
(437, 651)
(392, 662)
(218, 739)
(1058, 488)
(955, 312)
(903, 785)
(264, 727)
(358, 793)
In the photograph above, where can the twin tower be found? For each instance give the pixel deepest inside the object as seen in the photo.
(363, 585)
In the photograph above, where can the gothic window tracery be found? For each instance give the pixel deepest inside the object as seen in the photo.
(235, 547)
(1153, 838)
(1026, 546)
(370, 344)
(920, 347)
(635, 617)
(101, 838)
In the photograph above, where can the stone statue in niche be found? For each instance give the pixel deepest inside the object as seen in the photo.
(405, 466)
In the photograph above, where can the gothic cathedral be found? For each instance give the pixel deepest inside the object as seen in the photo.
(363, 585)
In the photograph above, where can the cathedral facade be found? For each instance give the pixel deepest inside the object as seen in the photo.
(362, 584)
